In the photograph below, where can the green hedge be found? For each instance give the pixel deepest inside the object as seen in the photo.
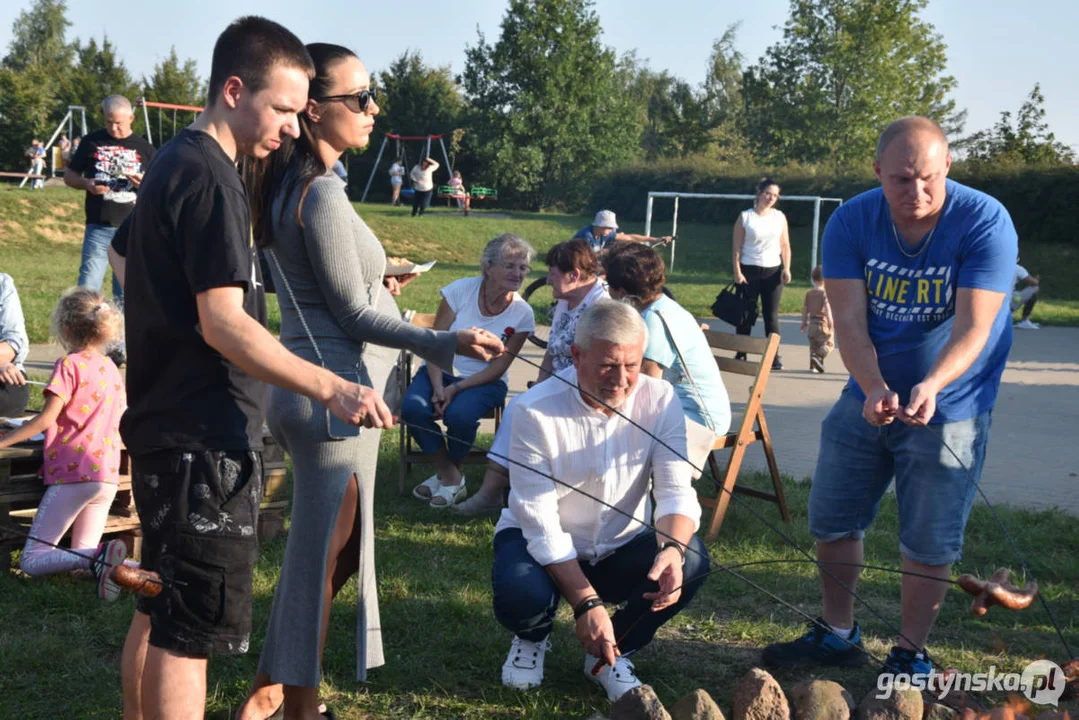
(1040, 200)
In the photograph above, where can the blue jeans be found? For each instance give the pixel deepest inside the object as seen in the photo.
(462, 417)
(856, 464)
(95, 260)
(526, 598)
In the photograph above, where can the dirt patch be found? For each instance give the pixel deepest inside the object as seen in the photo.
(55, 234)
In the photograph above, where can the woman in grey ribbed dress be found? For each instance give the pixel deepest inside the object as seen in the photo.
(332, 268)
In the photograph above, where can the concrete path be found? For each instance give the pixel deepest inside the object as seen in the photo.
(1033, 457)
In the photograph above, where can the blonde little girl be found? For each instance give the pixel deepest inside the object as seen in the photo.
(84, 400)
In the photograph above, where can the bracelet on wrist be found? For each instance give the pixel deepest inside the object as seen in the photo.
(590, 602)
(676, 546)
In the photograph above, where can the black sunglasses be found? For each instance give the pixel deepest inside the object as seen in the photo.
(357, 103)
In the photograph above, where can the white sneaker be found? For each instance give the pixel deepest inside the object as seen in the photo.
(615, 681)
(523, 668)
(1027, 325)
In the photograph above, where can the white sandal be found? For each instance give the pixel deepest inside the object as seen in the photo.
(432, 484)
(450, 494)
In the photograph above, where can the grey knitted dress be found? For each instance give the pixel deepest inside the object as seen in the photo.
(334, 267)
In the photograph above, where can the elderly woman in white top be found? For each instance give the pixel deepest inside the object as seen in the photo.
(460, 396)
(573, 276)
(762, 257)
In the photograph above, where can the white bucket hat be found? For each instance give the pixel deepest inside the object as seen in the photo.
(605, 218)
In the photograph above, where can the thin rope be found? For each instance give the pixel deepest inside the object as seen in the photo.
(651, 526)
(749, 506)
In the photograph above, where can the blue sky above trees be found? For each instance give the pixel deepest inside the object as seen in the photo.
(996, 52)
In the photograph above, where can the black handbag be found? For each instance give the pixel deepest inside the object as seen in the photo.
(733, 307)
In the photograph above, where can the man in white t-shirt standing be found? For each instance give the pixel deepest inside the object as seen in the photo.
(1026, 297)
(558, 541)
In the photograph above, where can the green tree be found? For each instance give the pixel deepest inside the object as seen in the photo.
(548, 113)
(32, 75)
(173, 82)
(723, 81)
(417, 99)
(843, 70)
(1027, 142)
(177, 83)
(98, 73)
(38, 39)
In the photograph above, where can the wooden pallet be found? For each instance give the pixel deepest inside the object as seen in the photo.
(21, 490)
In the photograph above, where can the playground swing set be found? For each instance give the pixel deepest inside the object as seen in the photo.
(446, 191)
(76, 117)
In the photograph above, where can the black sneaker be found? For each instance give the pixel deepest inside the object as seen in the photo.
(906, 661)
(818, 647)
(777, 363)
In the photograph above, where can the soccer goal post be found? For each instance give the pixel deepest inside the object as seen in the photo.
(817, 200)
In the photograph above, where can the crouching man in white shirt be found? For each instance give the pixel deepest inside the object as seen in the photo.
(553, 542)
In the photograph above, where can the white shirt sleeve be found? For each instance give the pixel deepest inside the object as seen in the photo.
(671, 485)
(533, 498)
(526, 318)
(1020, 274)
(457, 293)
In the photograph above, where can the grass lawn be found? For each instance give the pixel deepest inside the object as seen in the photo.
(41, 236)
(60, 648)
(444, 648)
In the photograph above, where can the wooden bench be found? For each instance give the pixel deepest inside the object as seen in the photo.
(751, 428)
(21, 491)
(410, 455)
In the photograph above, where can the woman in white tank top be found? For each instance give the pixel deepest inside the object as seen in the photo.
(761, 253)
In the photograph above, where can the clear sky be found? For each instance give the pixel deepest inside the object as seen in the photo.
(997, 49)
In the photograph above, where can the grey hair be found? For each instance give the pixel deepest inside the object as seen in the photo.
(616, 322)
(503, 245)
(115, 103)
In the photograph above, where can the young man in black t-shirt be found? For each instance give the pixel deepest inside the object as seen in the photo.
(198, 355)
(109, 165)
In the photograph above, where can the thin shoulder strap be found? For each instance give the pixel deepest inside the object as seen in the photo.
(685, 371)
(299, 313)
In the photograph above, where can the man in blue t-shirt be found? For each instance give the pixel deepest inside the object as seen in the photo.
(917, 272)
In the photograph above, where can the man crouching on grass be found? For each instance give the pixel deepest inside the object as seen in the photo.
(554, 542)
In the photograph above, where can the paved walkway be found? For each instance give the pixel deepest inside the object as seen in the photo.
(1031, 462)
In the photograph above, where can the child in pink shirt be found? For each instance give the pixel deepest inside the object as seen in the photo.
(84, 400)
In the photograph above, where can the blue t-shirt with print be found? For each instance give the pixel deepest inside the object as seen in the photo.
(597, 242)
(700, 363)
(911, 300)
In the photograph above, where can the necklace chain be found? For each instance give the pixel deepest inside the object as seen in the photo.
(903, 246)
(483, 301)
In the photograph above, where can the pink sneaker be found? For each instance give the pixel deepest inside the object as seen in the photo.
(109, 555)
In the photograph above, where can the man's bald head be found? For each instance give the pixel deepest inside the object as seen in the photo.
(910, 127)
(912, 166)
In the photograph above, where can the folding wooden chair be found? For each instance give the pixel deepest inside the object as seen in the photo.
(739, 438)
(409, 454)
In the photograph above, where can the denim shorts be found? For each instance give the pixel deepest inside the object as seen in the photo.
(856, 464)
(199, 517)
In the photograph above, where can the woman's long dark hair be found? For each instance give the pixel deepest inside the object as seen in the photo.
(295, 164)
